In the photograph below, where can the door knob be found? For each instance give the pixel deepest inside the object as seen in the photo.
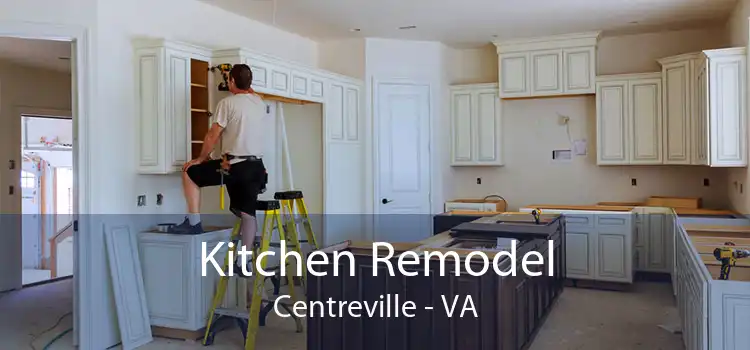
(386, 201)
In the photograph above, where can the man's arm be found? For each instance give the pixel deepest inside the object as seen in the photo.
(210, 140)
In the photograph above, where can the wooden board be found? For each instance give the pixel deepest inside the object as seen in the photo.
(715, 228)
(693, 211)
(579, 207)
(622, 204)
(674, 202)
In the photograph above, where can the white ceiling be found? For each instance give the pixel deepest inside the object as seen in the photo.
(474, 22)
(36, 53)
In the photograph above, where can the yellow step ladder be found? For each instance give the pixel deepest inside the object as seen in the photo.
(289, 201)
(279, 215)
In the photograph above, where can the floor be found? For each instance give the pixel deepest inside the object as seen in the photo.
(33, 275)
(582, 319)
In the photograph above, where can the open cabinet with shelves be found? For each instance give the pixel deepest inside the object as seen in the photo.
(200, 113)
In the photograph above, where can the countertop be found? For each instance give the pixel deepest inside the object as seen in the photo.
(614, 207)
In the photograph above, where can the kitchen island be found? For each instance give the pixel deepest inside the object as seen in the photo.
(499, 311)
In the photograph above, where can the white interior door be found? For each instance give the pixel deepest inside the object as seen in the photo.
(402, 115)
(31, 209)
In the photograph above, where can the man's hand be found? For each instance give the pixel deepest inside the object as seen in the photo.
(191, 163)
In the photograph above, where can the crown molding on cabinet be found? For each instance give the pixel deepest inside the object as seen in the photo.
(548, 42)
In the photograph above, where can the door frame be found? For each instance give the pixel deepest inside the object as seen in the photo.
(44, 113)
(374, 145)
(81, 92)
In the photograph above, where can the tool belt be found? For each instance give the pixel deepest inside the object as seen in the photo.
(230, 157)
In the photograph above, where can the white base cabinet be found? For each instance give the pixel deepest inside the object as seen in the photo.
(599, 245)
(654, 240)
(178, 294)
(629, 119)
(476, 125)
(548, 66)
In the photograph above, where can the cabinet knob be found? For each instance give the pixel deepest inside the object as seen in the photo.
(386, 200)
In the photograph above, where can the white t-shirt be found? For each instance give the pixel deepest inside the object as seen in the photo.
(242, 117)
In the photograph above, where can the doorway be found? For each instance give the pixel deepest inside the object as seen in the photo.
(46, 198)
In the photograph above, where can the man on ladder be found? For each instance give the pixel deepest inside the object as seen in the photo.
(238, 125)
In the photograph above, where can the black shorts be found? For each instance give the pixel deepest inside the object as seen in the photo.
(245, 181)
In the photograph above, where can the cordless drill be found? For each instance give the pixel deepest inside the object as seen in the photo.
(728, 257)
(224, 68)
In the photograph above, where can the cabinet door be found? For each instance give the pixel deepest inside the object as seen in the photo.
(699, 119)
(149, 73)
(352, 112)
(300, 85)
(614, 248)
(178, 109)
(546, 72)
(487, 127)
(461, 127)
(514, 73)
(611, 259)
(677, 112)
(578, 252)
(727, 83)
(645, 121)
(335, 111)
(579, 70)
(612, 122)
(656, 260)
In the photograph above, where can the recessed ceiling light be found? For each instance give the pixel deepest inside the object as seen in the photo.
(407, 27)
(354, 30)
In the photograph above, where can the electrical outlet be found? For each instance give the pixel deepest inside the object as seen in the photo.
(479, 181)
(142, 200)
(159, 198)
(633, 182)
(706, 182)
(563, 120)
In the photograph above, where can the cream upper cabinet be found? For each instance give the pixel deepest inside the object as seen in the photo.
(167, 91)
(705, 108)
(727, 108)
(476, 125)
(678, 108)
(629, 119)
(548, 66)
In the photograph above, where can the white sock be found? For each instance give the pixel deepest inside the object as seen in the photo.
(194, 219)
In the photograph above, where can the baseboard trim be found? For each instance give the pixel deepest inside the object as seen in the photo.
(649, 276)
(51, 280)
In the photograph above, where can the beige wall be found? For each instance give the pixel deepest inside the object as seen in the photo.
(345, 57)
(531, 133)
(304, 129)
(28, 87)
(737, 30)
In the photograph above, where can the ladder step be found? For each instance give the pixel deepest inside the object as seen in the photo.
(232, 313)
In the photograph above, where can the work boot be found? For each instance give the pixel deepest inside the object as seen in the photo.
(238, 268)
(186, 229)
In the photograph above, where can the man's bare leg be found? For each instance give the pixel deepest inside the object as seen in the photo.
(193, 197)
(248, 230)
(192, 223)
